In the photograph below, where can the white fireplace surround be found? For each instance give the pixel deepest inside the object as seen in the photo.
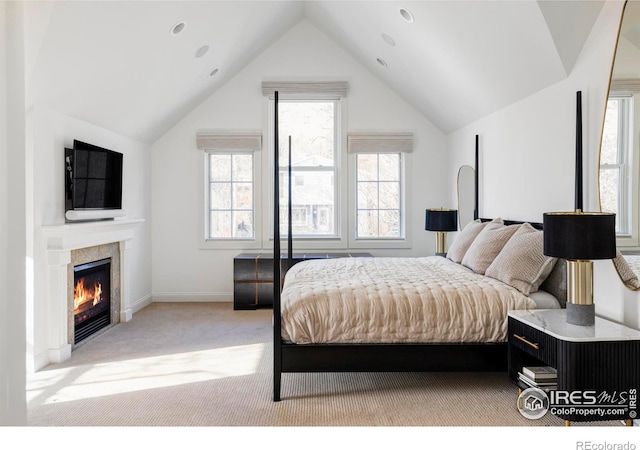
(61, 240)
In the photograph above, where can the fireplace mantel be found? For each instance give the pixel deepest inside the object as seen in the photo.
(60, 241)
(71, 236)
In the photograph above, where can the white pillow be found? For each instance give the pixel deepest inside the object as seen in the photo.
(521, 263)
(486, 246)
(465, 238)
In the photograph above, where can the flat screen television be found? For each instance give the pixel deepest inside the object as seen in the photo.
(94, 178)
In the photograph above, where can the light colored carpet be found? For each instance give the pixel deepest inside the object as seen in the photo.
(203, 364)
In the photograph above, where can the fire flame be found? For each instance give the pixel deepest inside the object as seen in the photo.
(82, 294)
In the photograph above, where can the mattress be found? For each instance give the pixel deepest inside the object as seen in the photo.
(394, 300)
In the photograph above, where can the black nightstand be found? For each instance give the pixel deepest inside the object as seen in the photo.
(590, 361)
(253, 276)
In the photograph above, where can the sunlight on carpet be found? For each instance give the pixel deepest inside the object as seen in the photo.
(118, 377)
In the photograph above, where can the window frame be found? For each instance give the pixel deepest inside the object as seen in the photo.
(310, 241)
(401, 195)
(212, 243)
(627, 166)
(403, 242)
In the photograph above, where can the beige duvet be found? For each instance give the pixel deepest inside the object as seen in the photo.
(393, 300)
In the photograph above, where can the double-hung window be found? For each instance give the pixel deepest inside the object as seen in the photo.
(310, 117)
(230, 181)
(616, 157)
(310, 129)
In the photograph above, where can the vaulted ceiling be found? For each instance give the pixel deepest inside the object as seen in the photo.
(117, 64)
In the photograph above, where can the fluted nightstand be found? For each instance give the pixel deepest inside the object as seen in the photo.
(604, 357)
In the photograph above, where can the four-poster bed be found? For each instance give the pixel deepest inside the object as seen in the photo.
(417, 353)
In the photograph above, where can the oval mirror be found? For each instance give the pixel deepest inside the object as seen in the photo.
(466, 195)
(620, 147)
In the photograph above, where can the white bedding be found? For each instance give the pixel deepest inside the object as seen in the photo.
(394, 300)
(634, 263)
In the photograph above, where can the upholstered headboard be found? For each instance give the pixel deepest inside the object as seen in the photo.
(556, 282)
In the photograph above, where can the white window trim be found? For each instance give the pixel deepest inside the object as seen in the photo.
(381, 142)
(339, 241)
(632, 240)
(241, 142)
(634, 167)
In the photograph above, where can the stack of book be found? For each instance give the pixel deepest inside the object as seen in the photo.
(541, 377)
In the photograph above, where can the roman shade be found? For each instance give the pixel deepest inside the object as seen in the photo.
(229, 140)
(625, 85)
(380, 142)
(308, 88)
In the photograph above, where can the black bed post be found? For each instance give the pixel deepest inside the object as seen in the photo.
(476, 213)
(277, 340)
(579, 196)
(289, 218)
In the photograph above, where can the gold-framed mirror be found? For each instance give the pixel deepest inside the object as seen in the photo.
(619, 159)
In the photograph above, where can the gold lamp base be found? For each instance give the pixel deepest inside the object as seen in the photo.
(441, 239)
(580, 306)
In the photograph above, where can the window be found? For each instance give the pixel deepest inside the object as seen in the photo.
(380, 214)
(313, 128)
(230, 213)
(378, 195)
(615, 162)
(230, 199)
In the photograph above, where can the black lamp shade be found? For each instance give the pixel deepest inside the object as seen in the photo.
(579, 235)
(441, 220)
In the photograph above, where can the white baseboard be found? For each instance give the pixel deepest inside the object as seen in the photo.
(61, 354)
(40, 361)
(188, 297)
(137, 305)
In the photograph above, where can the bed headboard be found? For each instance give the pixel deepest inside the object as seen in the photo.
(536, 225)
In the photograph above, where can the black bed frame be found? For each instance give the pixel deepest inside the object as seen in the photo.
(397, 357)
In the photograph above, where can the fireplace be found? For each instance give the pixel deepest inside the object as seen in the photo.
(72, 245)
(91, 298)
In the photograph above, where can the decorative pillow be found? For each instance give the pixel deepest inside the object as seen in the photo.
(627, 275)
(463, 241)
(521, 263)
(486, 246)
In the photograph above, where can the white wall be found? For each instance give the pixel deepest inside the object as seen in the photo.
(528, 150)
(184, 272)
(50, 132)
(13, 242)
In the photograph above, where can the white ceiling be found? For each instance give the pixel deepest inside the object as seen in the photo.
(116, 64)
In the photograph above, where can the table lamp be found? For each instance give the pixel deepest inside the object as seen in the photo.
(441, 220)
(580, 237)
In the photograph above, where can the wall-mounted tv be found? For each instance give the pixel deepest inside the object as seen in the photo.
(93, 178)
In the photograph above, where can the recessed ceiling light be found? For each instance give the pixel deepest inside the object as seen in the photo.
(388, 39)
(406, 15)
(202, 51)
(213, 72)
(178, 28)
(381, 62)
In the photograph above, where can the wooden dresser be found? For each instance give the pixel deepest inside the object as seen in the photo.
(253, 276)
